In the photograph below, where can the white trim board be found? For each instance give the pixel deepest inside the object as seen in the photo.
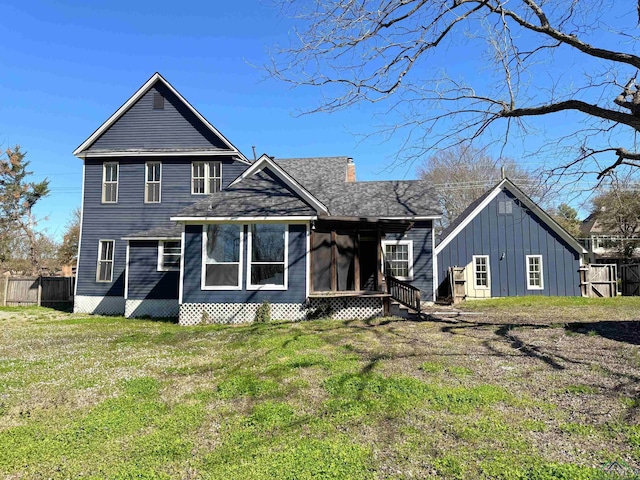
(265, 161)
(506, 184)
(280, 219)
(156, 77)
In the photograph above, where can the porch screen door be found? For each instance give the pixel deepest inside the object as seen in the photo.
(334, 259)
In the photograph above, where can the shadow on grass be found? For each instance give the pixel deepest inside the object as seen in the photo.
(620, 331)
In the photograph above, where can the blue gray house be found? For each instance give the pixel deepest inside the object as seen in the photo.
(508, 246)
(176, 221)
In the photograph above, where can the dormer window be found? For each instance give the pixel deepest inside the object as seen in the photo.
(158, 101)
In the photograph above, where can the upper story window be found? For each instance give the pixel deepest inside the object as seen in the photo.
(481, 271)
(169, 252)
(534, 272)
(206, 177)
(104, 272)
(398, 258)
(221, 257)
(153, 175)
(267, 257)
(505, 207)
(110, 182)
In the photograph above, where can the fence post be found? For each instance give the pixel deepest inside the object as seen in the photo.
(6, 291)
(40, 291)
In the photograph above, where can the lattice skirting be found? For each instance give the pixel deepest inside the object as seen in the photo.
(346, 308)
(99, 305)
(157, 308)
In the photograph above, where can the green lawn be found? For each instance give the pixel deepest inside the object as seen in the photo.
(107, 397)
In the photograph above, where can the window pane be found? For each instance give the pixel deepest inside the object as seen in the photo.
(110, 192)
(104, 271)
(221, 275)
(271, 274)
(267, 242)
(198, 185)
(214, 185)
(106, 250)
(153, 172)
(214, 169)
(223, 244)
(111, 172)
(397, 260)
(153, 192)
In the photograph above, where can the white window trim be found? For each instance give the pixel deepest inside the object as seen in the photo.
(161, 265)
(147, 182)
(104, 181)
(113, 260)
(410, 256)
(250, 286)
(207, 176)
(534, 287)
(475, 278)
(203, 276)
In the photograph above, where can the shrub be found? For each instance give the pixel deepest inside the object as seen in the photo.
(263, 313)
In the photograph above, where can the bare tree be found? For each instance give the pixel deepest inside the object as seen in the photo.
(524, 61)
(463, 173)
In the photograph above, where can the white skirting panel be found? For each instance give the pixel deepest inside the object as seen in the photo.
(344, 308)
(156, 308)
(98, 305)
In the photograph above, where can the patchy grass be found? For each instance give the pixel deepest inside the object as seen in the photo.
(527, 389)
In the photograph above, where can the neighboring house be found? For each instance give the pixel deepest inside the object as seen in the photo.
(509, 246)
(604, 246)
(177, 222)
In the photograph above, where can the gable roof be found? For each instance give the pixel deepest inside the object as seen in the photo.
(156, 78)
(259, 196)
(478, 205)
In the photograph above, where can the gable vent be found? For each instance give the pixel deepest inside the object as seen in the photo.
(158, 101)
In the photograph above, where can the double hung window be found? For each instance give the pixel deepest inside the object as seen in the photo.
(153, 175)
(206, 177)
(104, 272)
(481, 276)
(169, 252)
(267, 256)
(398, 259)
(222, 257)
(110, 182)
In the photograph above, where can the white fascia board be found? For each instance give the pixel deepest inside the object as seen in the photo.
(128, 239)
(142, 153)
(280, 219)
(265, 161)
(134, 98)
(530, 204)
(415, 217)
(445, 241)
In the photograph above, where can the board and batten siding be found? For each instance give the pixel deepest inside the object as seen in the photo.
(130, 215)
(422, 236)
(145, 281)
(507, 240)
(143, 127)
(296, 292)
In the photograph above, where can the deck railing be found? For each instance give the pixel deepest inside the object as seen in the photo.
(403, 293)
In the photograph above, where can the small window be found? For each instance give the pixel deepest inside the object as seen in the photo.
(534, 272)
(158, 101)
(169, 252)
(222, 260)
(505, 207)
(398, 259)
(267, 256)
(153, 176)
(104, 272)
(206, 177)
(110, 182)
(481, 271)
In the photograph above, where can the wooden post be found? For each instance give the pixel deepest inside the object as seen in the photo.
(356, 262)
(6, 290)
(334, 260)
(40, 291)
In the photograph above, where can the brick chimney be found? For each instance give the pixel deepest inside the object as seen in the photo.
(351, 170)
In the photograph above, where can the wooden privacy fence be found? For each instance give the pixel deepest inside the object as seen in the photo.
(598, 280)
(630, 275)
(42, 291)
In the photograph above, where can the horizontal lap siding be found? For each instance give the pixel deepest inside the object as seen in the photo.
(515, 236)
(145, 281)
(296, 292)
(131, 214)
(422, 236)
(142, 127)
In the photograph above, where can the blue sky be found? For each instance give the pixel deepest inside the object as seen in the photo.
(67, 66)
